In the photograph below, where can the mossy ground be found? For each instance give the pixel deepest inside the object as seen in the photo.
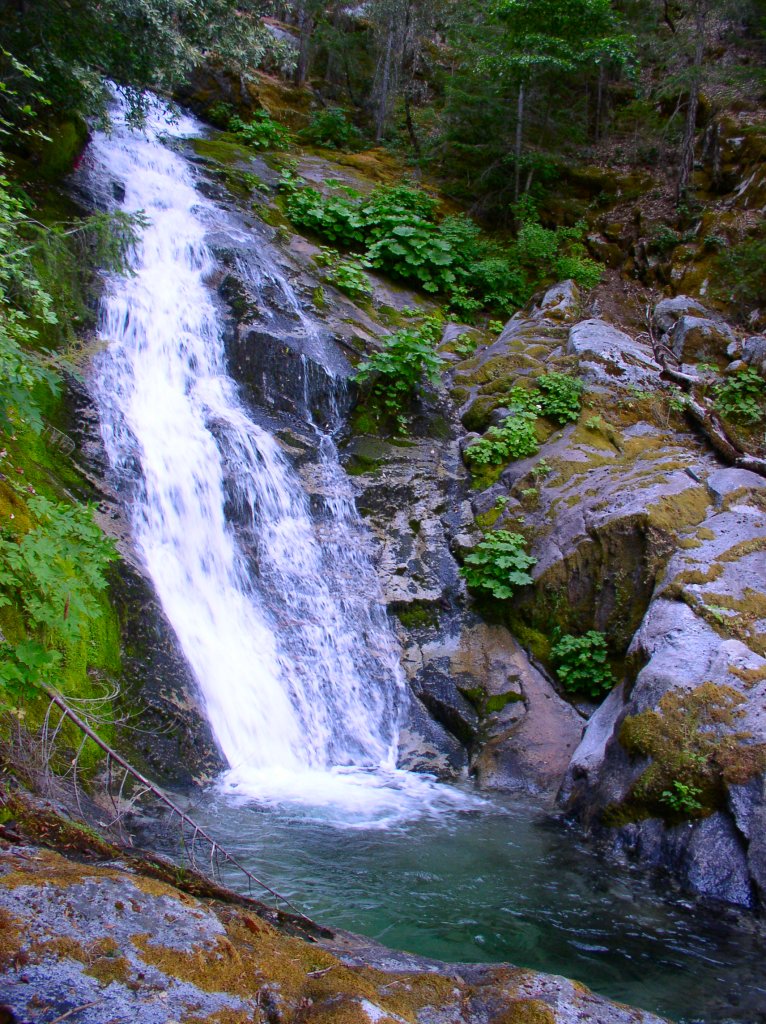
(691, 739)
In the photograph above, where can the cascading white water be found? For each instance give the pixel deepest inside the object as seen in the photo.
(296, 663)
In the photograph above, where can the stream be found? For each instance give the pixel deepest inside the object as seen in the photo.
(273, 596)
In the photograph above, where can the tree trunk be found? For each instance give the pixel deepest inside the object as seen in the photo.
(306, 23)
(600, 101)
(690, 129)
(385, 85)
(519, 141)
(411, 126)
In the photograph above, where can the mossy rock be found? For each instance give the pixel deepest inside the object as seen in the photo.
(58, 154)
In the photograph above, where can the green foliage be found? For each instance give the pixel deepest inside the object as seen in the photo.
(337, 218)
(515, 439)
(51, 574)
(397, 227)
(682, 798)
(742, 274)
(581, 664)
(498, 564)
(560, 397)
(403, 240)
(397, 373)
(742, 396)
(347, 275)
(332, 129)
(544, 252)
(664, 240)
(692, 741)
(138, 44)
(261, 132)
(560, 35)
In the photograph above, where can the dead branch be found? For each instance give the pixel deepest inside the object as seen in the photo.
(700, 411)
(217, 851)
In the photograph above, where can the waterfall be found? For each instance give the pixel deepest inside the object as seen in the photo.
(279, 613)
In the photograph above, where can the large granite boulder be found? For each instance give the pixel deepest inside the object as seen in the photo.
(704, 635)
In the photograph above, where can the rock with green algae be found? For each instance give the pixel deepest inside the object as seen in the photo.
(706, 624)
(474, 680)
(113, 943)
(639, 533)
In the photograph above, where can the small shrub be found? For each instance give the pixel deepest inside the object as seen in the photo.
(515, 439)
(397, 373)
(220, 114)
(403, 239)
(581, 664)
(332, 129)
(742, 396)
(499, 564)
(334, 217)
(561, 396)
(261, 132)
(682, 798)
(664, 240)
(347, 274)
(465, 345)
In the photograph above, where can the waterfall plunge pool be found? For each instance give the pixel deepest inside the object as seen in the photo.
(502, 881)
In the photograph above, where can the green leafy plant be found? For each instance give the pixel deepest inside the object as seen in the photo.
(261, 132)
(397, 227)
(402, 238)
(336, 217)
(52, 574)
(742, 396)
(682, 798)
(220, 114)
(581, 664)
(397, 373)
(347, 274)
(499, 564)
(664, 240)
(332, 129)
(465, 345)
(561, 397)
(514, 439)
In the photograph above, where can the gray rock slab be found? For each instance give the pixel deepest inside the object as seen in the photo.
(611, 358)
(668, 311)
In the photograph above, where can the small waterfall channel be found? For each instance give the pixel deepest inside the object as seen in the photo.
(275, 604)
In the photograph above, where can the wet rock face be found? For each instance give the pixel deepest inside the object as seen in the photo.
(491, 711)
(705, 625)
(112, 943)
